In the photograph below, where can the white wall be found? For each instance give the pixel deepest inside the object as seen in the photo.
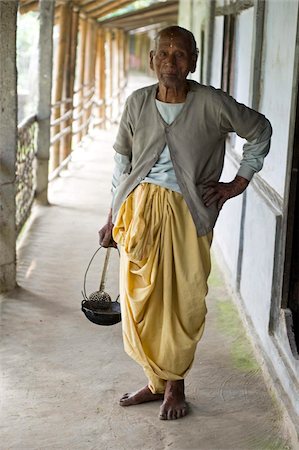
(258, 259)
(227, 231)
(243, 62)
(217, 52)
(277, 75)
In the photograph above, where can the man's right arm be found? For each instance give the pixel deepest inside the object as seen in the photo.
(122, 158)
(121, 169)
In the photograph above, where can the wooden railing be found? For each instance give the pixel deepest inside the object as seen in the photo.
(75, 122)
(25, 189)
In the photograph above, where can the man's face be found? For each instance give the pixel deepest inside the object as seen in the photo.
(172, 60)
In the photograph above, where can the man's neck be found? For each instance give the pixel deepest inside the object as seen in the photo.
(172, 95)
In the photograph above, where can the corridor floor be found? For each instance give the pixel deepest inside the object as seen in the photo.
(62, 376)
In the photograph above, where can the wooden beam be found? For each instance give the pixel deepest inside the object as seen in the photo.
(70, 79)
(128, 25)
(101, 69)
(126, 54)
(27, 6)
(112, 7)
(153, 12)
(65, 107)
(59, 76)
(109, 56)
(82, 50)
(87, 2)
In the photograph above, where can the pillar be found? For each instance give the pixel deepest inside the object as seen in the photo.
(45, 62)
(89, 71)
(70, 68)
(8, 143)
(101, 67)
(109, 84)
(82, 51)
(59, 76)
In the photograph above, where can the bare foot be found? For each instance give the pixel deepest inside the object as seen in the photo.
(141, 396)
(174, 405)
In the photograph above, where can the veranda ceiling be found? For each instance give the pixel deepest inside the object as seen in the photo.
(159, 12)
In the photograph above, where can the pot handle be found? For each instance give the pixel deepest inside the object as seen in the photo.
(103, 276)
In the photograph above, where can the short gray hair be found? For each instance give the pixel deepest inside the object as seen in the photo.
(182, 31)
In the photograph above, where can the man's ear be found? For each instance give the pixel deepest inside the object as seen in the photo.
(151, 55)
(193, 63)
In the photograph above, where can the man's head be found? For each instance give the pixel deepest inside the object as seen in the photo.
(174, 55)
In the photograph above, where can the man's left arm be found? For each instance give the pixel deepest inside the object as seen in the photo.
(254, 152)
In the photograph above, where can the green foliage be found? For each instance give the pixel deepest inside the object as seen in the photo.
(27, 44)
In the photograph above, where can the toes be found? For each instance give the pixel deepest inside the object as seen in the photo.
(172, 414)
(179, 414)
(184, 411)
(162, 414)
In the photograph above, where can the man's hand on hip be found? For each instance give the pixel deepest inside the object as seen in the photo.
(221, 192)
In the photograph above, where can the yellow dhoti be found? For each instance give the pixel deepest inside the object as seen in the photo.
(164, 269)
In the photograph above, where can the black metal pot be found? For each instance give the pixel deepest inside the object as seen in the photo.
(98, 306)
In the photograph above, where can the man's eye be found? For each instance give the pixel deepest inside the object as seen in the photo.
(162, 54)
(179, 54)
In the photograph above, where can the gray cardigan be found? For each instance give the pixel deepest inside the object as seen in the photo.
(196, 140)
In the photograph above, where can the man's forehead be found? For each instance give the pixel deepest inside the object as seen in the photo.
(173, 38)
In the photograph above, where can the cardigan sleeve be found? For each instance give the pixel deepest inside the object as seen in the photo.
(254, 153)
(250, 125)
(124, 137)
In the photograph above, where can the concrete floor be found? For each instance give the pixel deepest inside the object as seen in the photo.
(62, 376)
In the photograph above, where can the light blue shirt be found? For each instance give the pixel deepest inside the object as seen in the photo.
(163, 172)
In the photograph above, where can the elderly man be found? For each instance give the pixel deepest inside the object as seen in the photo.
(167, 195)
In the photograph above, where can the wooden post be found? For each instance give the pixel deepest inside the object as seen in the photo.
(83, 33)
(110, 70)
(45, 60)
(89, 73)
(138, 50)
(121, 67)
(115, 72)
(101, 68)
(59, 76)
(70, 80)
(126, 55)
(8, 143)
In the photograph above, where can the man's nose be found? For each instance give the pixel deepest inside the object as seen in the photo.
(171, 59)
